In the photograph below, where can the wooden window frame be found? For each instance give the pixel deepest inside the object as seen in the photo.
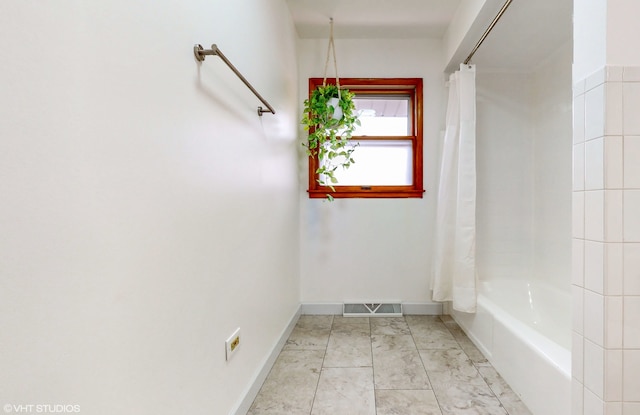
(378, 87)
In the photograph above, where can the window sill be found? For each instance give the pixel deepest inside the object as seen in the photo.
(393, 192)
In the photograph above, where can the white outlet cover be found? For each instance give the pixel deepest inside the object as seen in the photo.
(229, 353)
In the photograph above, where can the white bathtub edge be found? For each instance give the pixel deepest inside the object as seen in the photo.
(498, 336)
(552, 352)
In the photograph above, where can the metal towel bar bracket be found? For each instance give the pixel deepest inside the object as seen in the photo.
(200, 54)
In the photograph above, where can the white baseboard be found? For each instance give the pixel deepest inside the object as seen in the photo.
(426, 308)
(322, 308)
(253, 390)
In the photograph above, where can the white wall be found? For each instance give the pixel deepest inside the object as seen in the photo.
(589, 36)
(524, 172)
(622, 28)
(552, 127)
(602, 32)
(504, 176)
(147, 211)
(367, 249)
(462, 23)
(467, 26)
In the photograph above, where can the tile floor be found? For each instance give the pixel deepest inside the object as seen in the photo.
(411, 365)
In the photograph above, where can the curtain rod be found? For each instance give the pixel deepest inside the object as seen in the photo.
(486, 32)
(200, 54)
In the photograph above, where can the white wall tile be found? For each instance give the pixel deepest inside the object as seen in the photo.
(613, 306)
(613, 110)
(577, 262)
(577, 215)
(631, 73)
(631, 215)
(613, 408)
(592, 404)
(577, 314)
(613, 227)
(594, 215)
(613, 158)
(631, 105)
(578, 119)
(594, 266)
(613, 375)
(596, 79)
(594, 368)
(577, 357)
(613, 268)
(631, 268)
(631, 377)
(632, 161)
(579, 88)
(578, 167)
(631, 408)
(594, 164)
(614, 73)
(594, 113)
(577, 398)
(594, 318)
(631, 323)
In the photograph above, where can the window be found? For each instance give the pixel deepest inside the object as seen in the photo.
(388, 143)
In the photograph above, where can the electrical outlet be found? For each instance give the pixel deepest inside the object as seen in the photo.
(233, 343)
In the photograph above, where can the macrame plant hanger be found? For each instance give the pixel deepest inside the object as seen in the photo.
(331, 48)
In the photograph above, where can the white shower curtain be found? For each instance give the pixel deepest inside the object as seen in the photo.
(454, 273)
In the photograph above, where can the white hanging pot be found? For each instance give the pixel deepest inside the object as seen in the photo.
(337, 112)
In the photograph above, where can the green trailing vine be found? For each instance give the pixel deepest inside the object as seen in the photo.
(328, 134)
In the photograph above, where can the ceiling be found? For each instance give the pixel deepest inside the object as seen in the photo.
(372, 19)
(527, 33)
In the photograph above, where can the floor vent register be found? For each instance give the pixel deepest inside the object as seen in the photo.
(372, 310)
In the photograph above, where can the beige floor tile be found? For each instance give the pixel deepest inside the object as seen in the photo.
(435, 332)
(423, 320)
(290, 387)
(360, 365)
(345, 391)
(407, 402)
(467, 345)
(339, 321)
(308, 339)
(310, 333)
(355, 329)
(467, 399)
(451, 365)
(399, 369)
(433, 336)
(457, 384)
(447, 319)
(389, 326)
(381, 343)
(503, 391)
(349, 346)
(315, 322)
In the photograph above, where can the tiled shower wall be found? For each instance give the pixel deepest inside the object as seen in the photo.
(606, 243)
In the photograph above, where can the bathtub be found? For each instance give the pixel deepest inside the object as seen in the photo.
(524, 329)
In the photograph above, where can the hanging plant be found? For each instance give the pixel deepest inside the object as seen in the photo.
(330, 118)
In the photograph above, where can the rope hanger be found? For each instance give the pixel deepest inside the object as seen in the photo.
(331, 48)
